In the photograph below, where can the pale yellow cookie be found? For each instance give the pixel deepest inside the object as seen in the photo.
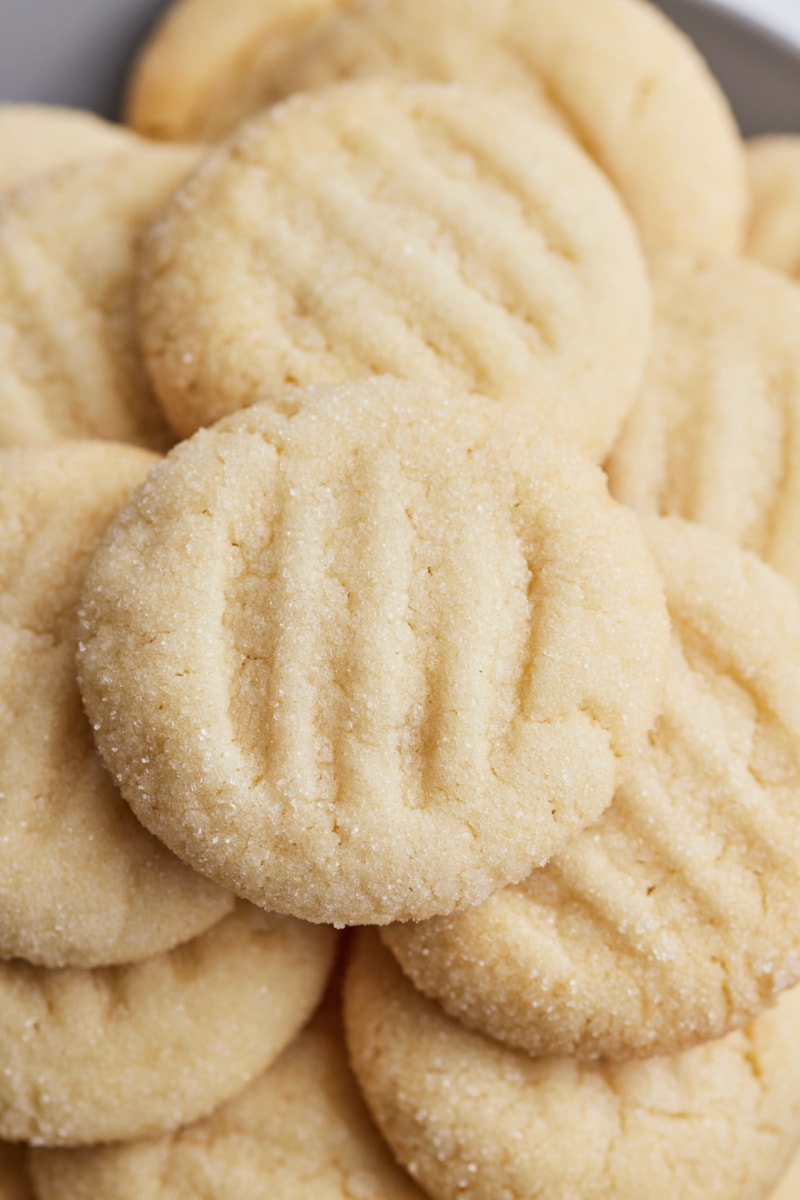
(299, 1132)
(715, 436)
(206, 65)
(673, 920)
(789, 1186)
(372, 658)
(36, 138)
(15, 1183)
(424, 231)
(471, 1118)
(69, 359)
(127, 1052)
(774, 233)
(634, 88)
(81, 882)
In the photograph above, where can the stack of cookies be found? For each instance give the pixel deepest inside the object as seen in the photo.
(400, 528)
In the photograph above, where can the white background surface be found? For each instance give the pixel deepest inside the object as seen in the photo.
(783, 15)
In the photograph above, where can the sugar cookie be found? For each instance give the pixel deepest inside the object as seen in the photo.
(204, 67)
(36, 138)
(634, 88)
(401, 645)
(128, 1052)
(715, 436)
(471, 1118)
(386, 229)
(673, 920)
(774, 233)
(81, 882)
(69, 360)
(299, 1132)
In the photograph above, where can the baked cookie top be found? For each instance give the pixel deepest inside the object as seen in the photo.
(127, 1052)
(715, 435)
(429, 232)
(69, 360)
(673, 919)
(299, 1131)
(81, 882)
(774, 231)
(471, 1118)
(204, 67)
(634, 89)
(371, 657)
(36, 138)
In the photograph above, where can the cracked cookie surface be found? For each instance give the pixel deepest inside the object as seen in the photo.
(301, 1132)
(69, 359)
(385, 229)
(126, 1052)
(471, 1118)
(389, 647)
(81, 882)
(673, 919)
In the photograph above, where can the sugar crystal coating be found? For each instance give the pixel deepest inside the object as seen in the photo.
(300, 1131)
(469, 1117)
(388, 650)
(673, 919)
(82, 884)
(69, 360)
(715, 434)
(127, 1052)
(378, 229)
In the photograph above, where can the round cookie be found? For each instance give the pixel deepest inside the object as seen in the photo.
(36, 138)
(774, 232)
(202, 69)
(715, 436)
(471, 1118)
(15, 1181)
(81, 882)
(634, 88)
(402, 645)
(69, 360)
(387, 229)
(127, 1052)
(673, 920)
(300, 1131)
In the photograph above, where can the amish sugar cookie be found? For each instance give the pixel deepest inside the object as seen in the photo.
(69, 361)
(715, 435)
(299, 1132)
(471, 1118)
(203, 68)
(36, 138)
(425, 231)
(128, 1052)
(81, 882)
(634, 89)
(673, 919)
(774, 232)
(371, 657)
